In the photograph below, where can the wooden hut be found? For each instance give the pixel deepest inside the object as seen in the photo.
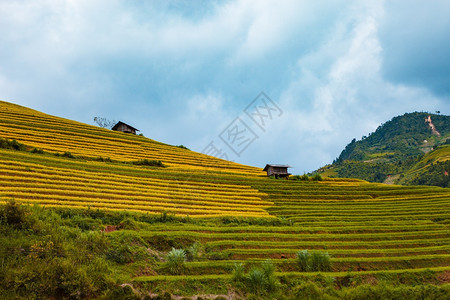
(277, 170)
(121, 126)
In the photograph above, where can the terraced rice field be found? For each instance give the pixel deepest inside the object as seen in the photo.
(366, 228)
(55, 181)
(58, 135)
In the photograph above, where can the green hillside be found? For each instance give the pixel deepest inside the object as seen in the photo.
(394, 150)
(87, 213)
(432, 169)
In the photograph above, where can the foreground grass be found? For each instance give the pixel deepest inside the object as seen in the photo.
(76, 254)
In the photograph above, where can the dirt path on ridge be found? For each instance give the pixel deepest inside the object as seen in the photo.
(433, 128)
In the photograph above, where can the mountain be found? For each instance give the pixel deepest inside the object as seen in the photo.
(90, 213)
(393, 151)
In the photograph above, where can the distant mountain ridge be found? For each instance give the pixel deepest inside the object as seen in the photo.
(392, 152)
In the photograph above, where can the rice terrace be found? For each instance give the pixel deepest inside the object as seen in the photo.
(89, 212)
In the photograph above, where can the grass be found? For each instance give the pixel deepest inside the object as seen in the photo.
(175, 261)
(289, 274)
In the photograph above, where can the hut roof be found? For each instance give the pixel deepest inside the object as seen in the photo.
(275, 165)
(120, 122)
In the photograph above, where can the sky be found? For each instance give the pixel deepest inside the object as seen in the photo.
(255, 82)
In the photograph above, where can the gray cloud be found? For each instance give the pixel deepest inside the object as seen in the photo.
(414, 36)
(181, 74)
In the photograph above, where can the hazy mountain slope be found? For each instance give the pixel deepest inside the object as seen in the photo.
(394, 148)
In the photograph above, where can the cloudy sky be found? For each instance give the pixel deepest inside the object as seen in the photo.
(192, 72)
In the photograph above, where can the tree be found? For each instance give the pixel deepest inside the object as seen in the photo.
(104, 122)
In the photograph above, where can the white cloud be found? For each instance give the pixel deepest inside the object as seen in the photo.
(348, 98)
(204, 107)
(186, 78)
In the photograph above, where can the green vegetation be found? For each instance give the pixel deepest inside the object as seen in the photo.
(79, 220)
(183, 147)
(14, 145)
(194, 252)
(314, 290)
(151, 163)
(436, 174)
(45, 256)
(394, 150)
(305, 177)
(259, 280)
(175, 261)
(238, 273)
(432, 169)
(65, 154)
(66, 253)
(313, 261)
(16, 216)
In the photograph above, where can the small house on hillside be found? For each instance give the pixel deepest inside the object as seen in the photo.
(277, 170)
(121, 126)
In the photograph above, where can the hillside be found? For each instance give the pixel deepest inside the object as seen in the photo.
(432, 169)
(102, 226)
(58, 135)
(394, 149)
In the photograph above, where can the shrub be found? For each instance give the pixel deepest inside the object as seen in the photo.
(238, 272)
(317, 177)
(320, 261)
(103, 159)
(14, 145)
(123, 291)
(151, 163)
(16, 215)
(175, 262)
(50, 278)
(193, 252)
(314, 261)
(308, 290)
(93, 241)
(257, 281)
(37, 150)
(120, 254)
(303, 260)
(268, 269)
(84, 223)
(304, 177)
(126, 247)
(129, 224)
(166, 217)
(65, 154)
